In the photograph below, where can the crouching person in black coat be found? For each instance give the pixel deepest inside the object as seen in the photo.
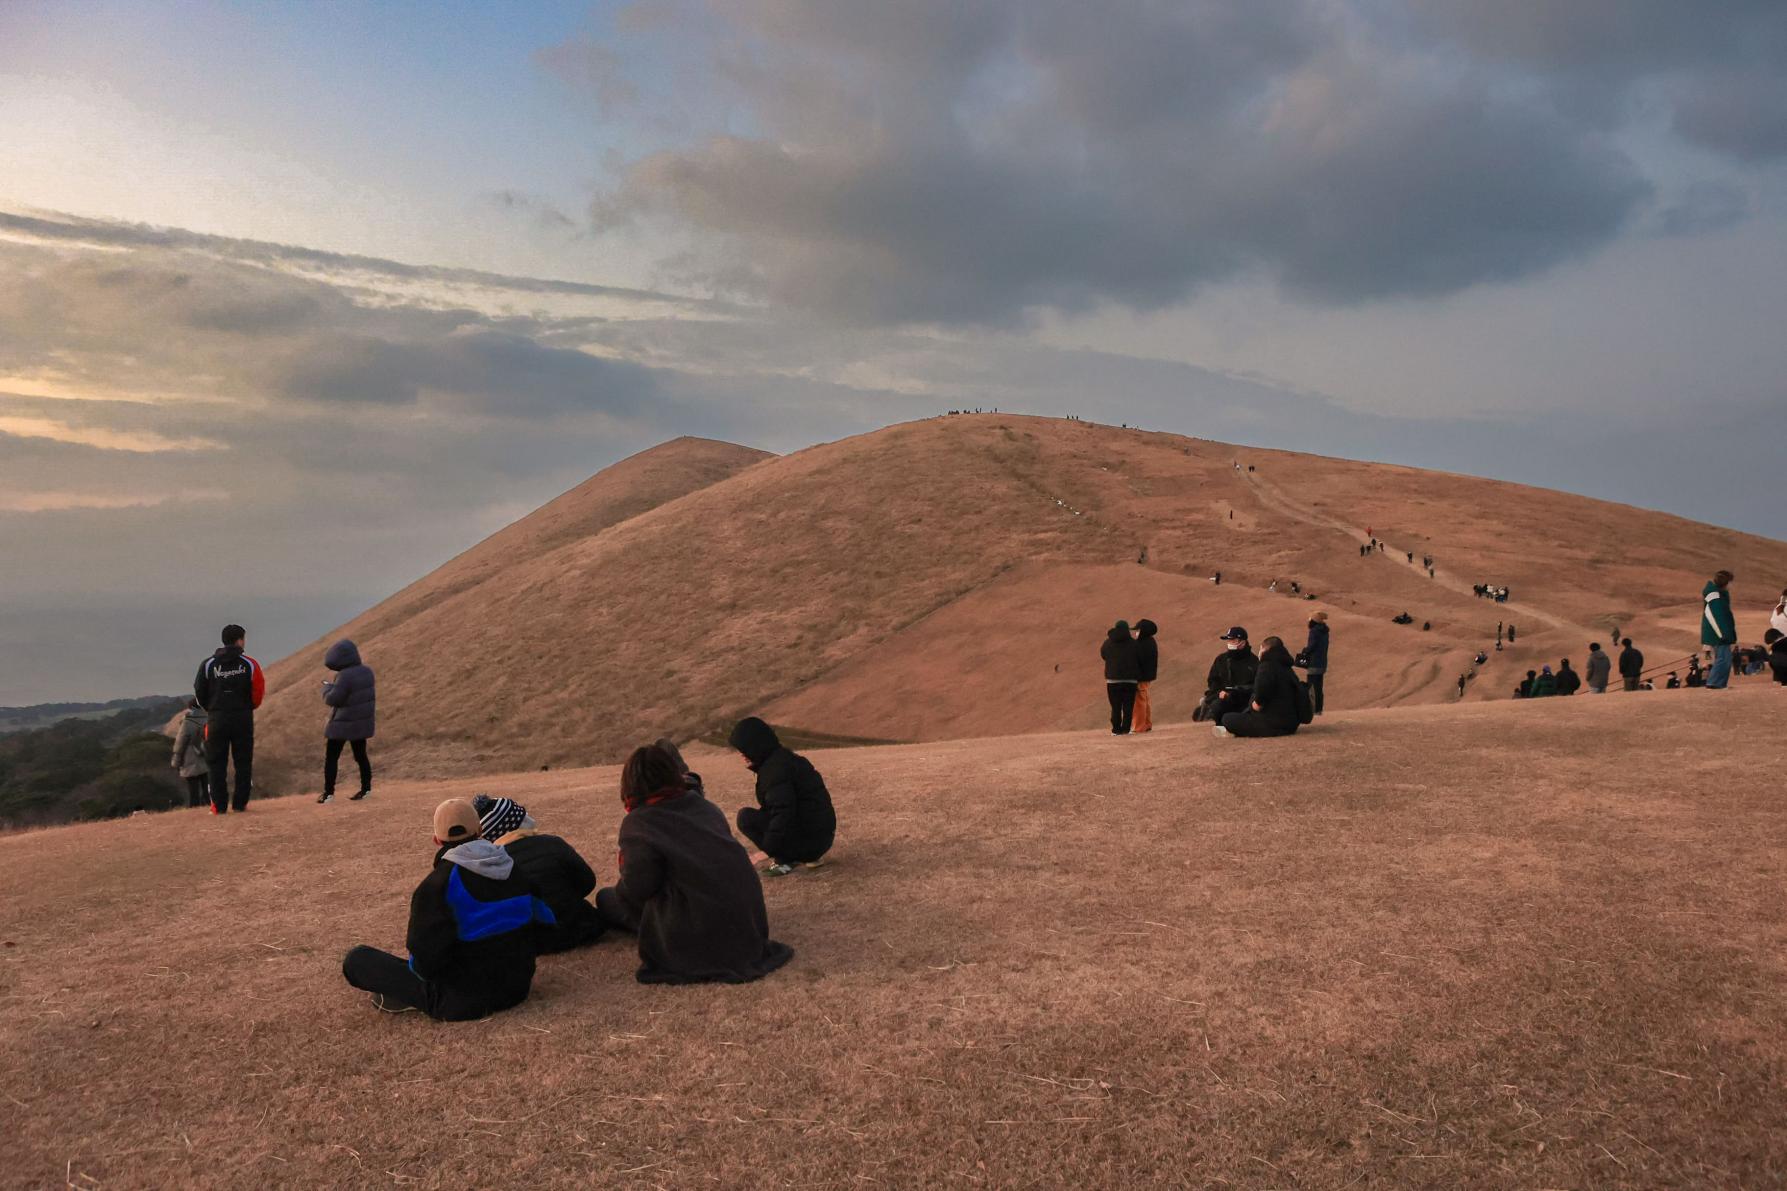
(560, 876)
(471, 937)
(685, 884)
(1273, 711)
(793, 821)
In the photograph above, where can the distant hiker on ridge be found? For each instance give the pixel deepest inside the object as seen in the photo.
(189, 754)
(1631, 665)
(1122, 671)
(686, 886)
(1314, 659)
(229, 686)
(470, 936)
(1718, 628)
(1600, 666)
(352, 700)
(1148, 662)
(1230, 681)
(793, 821)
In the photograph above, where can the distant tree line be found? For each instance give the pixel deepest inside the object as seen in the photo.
(81, 769)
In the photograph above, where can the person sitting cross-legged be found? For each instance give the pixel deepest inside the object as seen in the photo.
(471, 937)
(1272, 710)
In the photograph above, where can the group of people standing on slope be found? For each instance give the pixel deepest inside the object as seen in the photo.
(501, 892)
(1245, 694)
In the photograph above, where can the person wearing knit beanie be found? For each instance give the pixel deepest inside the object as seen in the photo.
(563, 879)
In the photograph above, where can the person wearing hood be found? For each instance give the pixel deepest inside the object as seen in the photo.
(352, 699)
(793, 821)
(561, 878)
(1631, 664)
(1545, 684)
(189, 754)
(1600, 667)
(1314, 659)
(1568, 681)
(230, 686)
(1272, 710)
(1122, 671)
(686, 886)
(1231, 676)
(1147, 651)
(471, 937)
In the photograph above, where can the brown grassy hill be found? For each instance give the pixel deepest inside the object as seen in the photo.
(925, 581)
(1511, 945)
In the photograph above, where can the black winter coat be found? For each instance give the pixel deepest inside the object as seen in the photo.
(696, 899)
(470, 928)
(802, 822)
(1568, 682)
(1147, 650)
(564, 881)
(352, 694)
(1122, 662)
(229, 683)
(1631, 663)
(1232, 668)
(1275, 689)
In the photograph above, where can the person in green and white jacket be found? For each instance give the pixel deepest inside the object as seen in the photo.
(1718, 628)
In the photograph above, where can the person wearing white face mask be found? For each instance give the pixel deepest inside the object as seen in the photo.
(1230, 682)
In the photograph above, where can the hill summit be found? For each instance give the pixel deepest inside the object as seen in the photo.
(953, 577)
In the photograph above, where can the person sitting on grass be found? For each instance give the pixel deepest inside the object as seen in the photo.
(793, 821)
(1777, 653)
(1230, 679)
(686, 886)
(560, 876)
(471, 938)
(1273, 708)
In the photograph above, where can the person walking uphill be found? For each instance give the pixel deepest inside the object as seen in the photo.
(793, 821)
(189, 754)
(229, 686)
(1631, 665)
(470, 937)
(1147, 651)
(1314, 659)
(686, 886)
(561, 878)
(1718, 628)
(1273, 709)
(1122, 671)
(1600, 666)
(353, 698)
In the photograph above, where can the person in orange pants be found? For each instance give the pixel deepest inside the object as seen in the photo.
(1148, 654)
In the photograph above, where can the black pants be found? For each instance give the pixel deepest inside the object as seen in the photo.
(1252, 723)
(1122, 697)
(332, 763)
(753, 824)
(381, 972)
(198, 790)
(230, 737)
(1315, 691)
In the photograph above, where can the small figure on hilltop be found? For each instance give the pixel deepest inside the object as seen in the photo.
(1461, 686)
(1274, 708)
(353, 699)
(1230, 681)
(1510, 632)
(1599, 668)
(470, 935)
(229, 686)
(1631, 664)
(1314, 659)
(1568, 681)
(1404, 618)
(1718, 628)
(561, 878)
(1122, 671)
(686, 886)
(793, 822)
(1216, 579)
(1148, 662)
(189, 754)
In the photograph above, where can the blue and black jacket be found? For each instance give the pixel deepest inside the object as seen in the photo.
(471, 925)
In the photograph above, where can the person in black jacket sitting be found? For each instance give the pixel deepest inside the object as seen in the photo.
(471, 938)
(1273, 708)
(793, 821)
(1227, 686)
(1122, 672)
(562, 879)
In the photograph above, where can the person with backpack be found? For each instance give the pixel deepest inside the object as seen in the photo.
(189, 754)
(686, 886)
(1227, 686)
(230, 686)
(1631, 664)
(352, 700)
(1274, 709)
(561, 878)
(1718, 628)
(1600, 667)
(470, 937)
(1568, 681)
(1314, 659)
(1122, 671)
(793, 822)
(1148, 664)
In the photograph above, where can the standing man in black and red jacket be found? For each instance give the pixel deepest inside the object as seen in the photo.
(229, 686)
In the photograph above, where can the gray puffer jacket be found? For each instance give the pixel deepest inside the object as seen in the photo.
(351, 694)
(189, 743)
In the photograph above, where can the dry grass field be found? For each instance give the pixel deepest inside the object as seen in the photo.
(1500, 945)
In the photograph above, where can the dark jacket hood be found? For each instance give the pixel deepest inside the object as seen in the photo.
(755, 739)
(341, 655)
(1120, 631)
(1146, 628)
(1277, 654)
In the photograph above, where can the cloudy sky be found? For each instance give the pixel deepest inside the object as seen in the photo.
(298, 300)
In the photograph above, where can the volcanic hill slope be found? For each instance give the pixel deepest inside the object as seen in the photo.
(954, 577)
(1470, 946)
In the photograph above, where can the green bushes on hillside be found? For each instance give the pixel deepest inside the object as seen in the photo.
(89, 769)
